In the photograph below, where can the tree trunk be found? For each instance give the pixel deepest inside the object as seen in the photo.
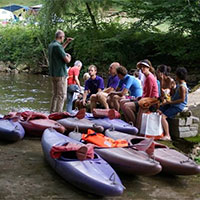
(91, 16)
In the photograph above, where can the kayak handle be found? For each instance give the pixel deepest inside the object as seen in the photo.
(112, 178)
(112, 128)
(76, 129)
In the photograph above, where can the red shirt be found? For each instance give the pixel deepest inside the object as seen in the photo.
(74, 71)
(150, 88)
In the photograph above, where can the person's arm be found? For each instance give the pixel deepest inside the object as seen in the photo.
(77, 82)
(67, 58)
(173, 88)
(108, 90)
(99, 90)
(100, 85)
(67, 42)
(182, 92)
(120, 93)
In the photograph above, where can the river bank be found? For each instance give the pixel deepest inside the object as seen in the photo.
(26, 175)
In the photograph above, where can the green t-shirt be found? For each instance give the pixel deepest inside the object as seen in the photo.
(57, 65)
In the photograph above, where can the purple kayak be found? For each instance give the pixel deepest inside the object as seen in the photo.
(11, 131)
(126, 159)
(82, 125)
(115, 124)
(92, 175)
(172, 161)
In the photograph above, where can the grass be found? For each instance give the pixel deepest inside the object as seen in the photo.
(20, 2)
(195, 139)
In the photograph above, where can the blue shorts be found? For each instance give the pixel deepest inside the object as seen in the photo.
(169, 110)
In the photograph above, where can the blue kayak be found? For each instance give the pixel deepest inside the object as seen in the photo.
(92, 175)
(11, 131)
(115, 124)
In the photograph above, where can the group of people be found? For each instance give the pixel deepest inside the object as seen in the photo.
(123, 91)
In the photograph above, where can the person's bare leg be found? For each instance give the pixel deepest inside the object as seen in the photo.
(93, 101)
(139, 117)
(110, 103)
(77, 104)
(81, 104)
(102, 98)
(165, 127)
(123, 101)
(116, 100)
(129, 110)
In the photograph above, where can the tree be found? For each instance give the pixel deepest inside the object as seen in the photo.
(181, 15)
(80, 10)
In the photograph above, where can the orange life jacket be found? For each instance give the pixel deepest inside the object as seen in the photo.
(102, 141)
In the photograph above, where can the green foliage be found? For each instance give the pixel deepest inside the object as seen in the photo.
(101, 40)
(20, 2)
(115, 42)
(195, 139)
(21, 44)
(111, 42)
(183, 16)
(197, 159)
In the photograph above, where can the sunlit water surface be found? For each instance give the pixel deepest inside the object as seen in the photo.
(22, 92)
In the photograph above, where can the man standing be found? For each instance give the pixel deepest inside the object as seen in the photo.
(58, 71)
(113, 81)
(73, 83)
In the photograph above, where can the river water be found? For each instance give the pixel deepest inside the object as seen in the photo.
(24, 92)
(27, 176)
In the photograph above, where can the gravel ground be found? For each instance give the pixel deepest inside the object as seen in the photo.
(26, 175)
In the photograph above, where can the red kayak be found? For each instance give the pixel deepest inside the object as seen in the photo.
(35, 123)
(36, 127)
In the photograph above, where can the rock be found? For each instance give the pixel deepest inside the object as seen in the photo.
(180, 127)
(194, 127)
(185, 113)
(8, 70)
(14, 71)
(188, 134)
(10, 65)
(3, 67)
(195, 119)
(22, 67)
(25, 71)
(189, 121)
(184, 128)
